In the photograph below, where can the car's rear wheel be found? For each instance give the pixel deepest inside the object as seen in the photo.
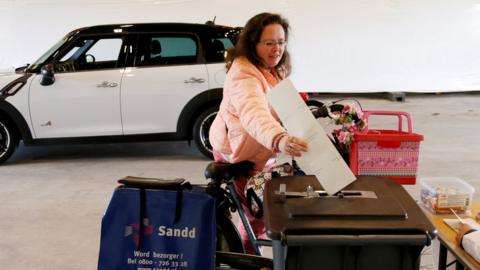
(8, 140)
(201, 128)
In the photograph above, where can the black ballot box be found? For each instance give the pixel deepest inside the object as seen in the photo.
(372, 224)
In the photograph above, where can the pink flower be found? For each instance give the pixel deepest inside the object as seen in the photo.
(347, 108)
(344, 137)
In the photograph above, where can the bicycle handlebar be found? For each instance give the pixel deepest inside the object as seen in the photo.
(323, 112)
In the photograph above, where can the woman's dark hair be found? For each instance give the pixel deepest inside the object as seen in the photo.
(249, 38)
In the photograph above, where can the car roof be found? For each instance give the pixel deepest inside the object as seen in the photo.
(149, 27)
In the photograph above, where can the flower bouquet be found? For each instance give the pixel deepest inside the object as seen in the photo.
(350, 118)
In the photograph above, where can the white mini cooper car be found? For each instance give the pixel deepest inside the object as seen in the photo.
(111, 83)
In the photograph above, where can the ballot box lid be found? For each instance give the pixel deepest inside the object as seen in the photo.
(393, 212)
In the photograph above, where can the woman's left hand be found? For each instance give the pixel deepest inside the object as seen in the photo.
(461, 232)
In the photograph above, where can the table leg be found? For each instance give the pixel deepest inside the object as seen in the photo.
(442, 257)
(278, 255)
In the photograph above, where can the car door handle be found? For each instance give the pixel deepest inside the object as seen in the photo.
(107, 84)
(194, 80)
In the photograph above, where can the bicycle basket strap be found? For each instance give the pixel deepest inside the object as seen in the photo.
(141, 218)
(178, 206)
(178, 210)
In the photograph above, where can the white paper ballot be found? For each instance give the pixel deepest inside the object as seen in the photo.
(455, 224)
(322, 158)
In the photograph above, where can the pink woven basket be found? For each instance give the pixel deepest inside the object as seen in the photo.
(389, 153)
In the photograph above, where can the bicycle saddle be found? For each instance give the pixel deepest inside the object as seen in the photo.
(227, 171)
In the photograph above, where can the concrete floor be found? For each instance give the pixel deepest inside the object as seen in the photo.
(52, 198)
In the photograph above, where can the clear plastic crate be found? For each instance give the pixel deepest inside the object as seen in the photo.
(440, 194)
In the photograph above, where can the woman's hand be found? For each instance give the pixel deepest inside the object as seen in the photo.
(461, 232)
(292, 146)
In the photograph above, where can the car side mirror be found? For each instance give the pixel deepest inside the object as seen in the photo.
(48, 77)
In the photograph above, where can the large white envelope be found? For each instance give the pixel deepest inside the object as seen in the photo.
(322, 158)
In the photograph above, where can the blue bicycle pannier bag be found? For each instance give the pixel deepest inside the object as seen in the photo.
(177, 230)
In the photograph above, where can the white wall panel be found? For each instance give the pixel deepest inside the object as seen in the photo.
(379, 45)
(337, 46)
(6, 59)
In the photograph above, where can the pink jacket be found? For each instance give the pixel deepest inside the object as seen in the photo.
(246, 124)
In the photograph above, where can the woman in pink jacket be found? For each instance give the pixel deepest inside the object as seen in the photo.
(246, 126)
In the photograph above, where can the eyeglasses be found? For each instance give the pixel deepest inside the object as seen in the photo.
(271, 43)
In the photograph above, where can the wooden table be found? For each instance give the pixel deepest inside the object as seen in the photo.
(447, 241)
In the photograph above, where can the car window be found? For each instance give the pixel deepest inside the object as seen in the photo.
(49, 53)
(70, 53)
(217, 48)
(166, 49)
(105, 50)
(90, 54)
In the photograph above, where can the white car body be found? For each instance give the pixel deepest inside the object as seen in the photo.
(80, 91)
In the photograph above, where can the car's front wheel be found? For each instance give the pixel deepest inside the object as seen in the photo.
(201, 128)
(8, 140)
